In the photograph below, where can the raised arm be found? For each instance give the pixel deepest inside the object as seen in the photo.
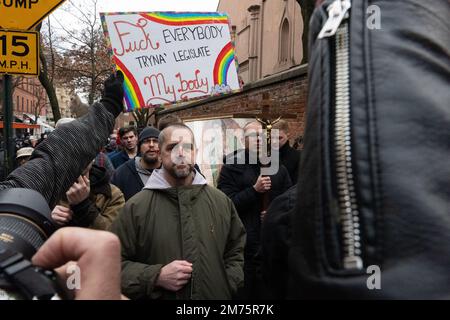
(59, 160)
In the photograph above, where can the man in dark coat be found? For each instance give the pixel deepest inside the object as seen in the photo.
(247, 188)
(131, 177)
(290, 158)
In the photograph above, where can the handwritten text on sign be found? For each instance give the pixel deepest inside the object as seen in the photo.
(168, 57)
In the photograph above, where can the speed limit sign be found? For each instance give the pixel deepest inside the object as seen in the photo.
(19, 53)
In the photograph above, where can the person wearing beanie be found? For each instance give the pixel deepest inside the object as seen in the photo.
(131, 177)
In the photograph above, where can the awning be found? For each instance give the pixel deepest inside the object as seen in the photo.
(19, 125)
(39, 122)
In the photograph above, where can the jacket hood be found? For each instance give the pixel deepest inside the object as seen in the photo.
(158, 182)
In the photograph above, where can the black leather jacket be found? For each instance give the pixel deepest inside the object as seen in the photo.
(374, 190)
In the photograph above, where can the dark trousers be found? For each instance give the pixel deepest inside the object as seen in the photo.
(254, 287)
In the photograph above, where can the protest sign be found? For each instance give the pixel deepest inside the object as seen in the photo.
(168, 57)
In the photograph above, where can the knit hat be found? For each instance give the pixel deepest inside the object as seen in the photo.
(148, 132)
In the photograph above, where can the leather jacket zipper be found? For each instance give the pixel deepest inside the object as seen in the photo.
(337, 25)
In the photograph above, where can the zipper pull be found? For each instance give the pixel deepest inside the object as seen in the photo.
(337, 12)
(353, 262)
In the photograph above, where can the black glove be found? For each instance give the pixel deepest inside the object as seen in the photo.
(112, 96)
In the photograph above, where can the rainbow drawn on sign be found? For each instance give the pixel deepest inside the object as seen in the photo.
(223, 63)
(186, 18)
(132, 93)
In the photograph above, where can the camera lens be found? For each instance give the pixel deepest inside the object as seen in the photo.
(25, 221)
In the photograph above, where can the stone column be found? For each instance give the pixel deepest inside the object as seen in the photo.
(254, 45)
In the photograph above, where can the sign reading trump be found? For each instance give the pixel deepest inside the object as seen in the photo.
(168, 57)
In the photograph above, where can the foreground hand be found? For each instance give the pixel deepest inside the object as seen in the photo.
(97, 255)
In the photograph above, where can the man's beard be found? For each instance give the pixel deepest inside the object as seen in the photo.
(149, 159)
(181, 173)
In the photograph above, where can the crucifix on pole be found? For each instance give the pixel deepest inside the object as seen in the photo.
(267, 120)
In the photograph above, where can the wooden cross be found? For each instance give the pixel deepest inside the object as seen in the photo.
(265, 118)
(267, 122)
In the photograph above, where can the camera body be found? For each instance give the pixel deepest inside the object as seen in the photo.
(20, 280)
(25, 224)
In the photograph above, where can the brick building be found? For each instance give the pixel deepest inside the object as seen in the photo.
(29, 99)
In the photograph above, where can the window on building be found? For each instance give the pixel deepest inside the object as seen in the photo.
(284, 44)
(17, 103)
(28, 107)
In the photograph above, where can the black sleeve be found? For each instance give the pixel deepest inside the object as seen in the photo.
(275, 241)
(119, 179)
(242, 199)
(115, 179)
(285, 178)
(59, 160)
(296, 168)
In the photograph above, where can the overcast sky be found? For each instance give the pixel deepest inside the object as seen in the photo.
(132, 6)
(66, 20)
(157, 5)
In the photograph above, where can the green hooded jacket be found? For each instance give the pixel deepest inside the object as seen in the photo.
(197, 223)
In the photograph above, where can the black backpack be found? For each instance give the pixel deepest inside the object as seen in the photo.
(373, 216)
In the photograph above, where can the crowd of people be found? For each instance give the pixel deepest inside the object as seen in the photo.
(180, 237)
(135, 212)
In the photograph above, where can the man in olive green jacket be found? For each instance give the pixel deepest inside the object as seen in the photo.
(181, 239)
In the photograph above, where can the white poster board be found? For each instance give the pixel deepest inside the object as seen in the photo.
(168, 57)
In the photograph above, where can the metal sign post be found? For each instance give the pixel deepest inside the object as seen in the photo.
(7, 119)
